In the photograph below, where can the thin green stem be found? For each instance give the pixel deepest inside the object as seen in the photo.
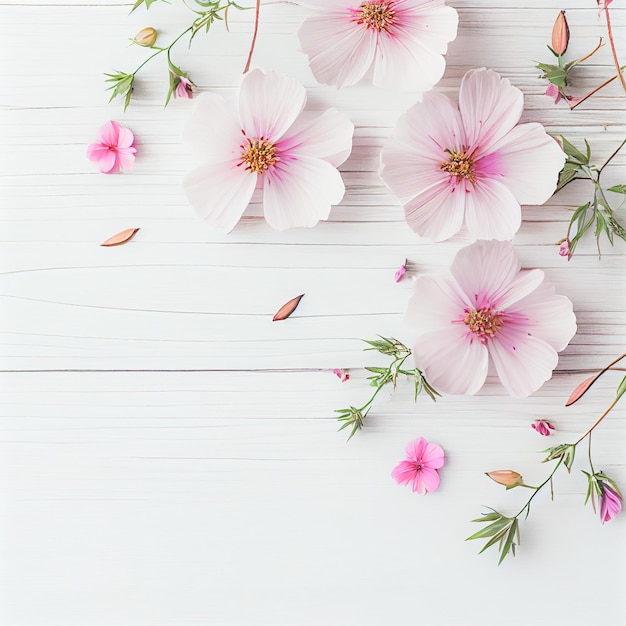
(597, 422)
(611, 158)
(166, 49)
(539, 488)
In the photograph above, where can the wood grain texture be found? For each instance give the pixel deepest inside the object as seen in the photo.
(169, 456)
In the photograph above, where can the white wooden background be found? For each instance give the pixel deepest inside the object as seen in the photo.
(169, 456)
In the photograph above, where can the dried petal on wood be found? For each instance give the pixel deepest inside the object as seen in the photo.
(120, 238)
(287, 309)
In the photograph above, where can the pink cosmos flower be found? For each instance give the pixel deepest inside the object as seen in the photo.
(543, 427)
(488, 310)
(610, 503)
(469, 163)
(115, 149)
(420, 467)
(184, 88)
(403, 40)
(291, 155)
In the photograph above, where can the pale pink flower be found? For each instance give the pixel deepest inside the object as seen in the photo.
(420, 467)
(184, 88)
(404, 41)
(488, 310)
(400, 272)
(115, 149)
(543, 427)
(470, 163)
(341, 374)
(291, 155)
(554, 92)
(610, 503)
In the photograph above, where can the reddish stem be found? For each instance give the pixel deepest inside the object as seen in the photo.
(256, 30)
(610, 31)
(578, 101)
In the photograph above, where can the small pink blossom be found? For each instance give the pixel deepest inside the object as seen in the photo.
(341, 374)
(565, 250)
(400, 272)
(115, 149)
(489, 310)
(184, 88)
(470, 163)
(420, 467)
(543, 427)
(402, 40)
(610, 503)
(273, 145)
(554, 92)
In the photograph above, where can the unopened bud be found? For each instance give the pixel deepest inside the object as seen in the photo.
(146, 37)
(508, 478)
(560, 34)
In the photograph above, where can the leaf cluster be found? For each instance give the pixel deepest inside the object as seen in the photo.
(501, 530)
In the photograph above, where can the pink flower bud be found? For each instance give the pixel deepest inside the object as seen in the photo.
(564, 249)
(610, 504)
(560, 34)
(342, 375)
(554, 92)
(543, 427)
(508, 478)
(400, 273)
(184, 88)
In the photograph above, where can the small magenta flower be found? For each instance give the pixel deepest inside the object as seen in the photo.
(565, 250)
(543, 427)
(341, 374)
(610, 503)
(400, 272)
(184, 88)
(115, 149)
(420, 467)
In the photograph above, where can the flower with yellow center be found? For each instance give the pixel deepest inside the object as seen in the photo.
(377, 15)
(461, 165)
(259, 155)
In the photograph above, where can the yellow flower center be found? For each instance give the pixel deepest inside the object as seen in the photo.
(483, 322)
(461, 165)
(259, 155)
(377, 15)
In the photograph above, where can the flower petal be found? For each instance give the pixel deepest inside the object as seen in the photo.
(429, 479)
(490, 107)
(451, 361)
(415, 449)
(299, 192)
(109, 133)
(404, 472)
(125, 138)
(484, 270)
(438, 212)
(105, 158)
(401, 61)
(529, 161)
(340, 51)
(126, 158)
(269, 104)
(524, 283)
(523, 362)
(548, 316)
(433, 24)
(327, 136)
(220, 192)
(213, 132)
(433, 456)
(492, 210)
(435, 304)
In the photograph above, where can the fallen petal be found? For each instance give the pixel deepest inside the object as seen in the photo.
(287, 309)
(120, 238)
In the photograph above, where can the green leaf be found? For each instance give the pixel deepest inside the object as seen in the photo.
(572, 151)
(618, 189)
(621, 390)
(494, 540)
(491, 530)
(509, 541)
